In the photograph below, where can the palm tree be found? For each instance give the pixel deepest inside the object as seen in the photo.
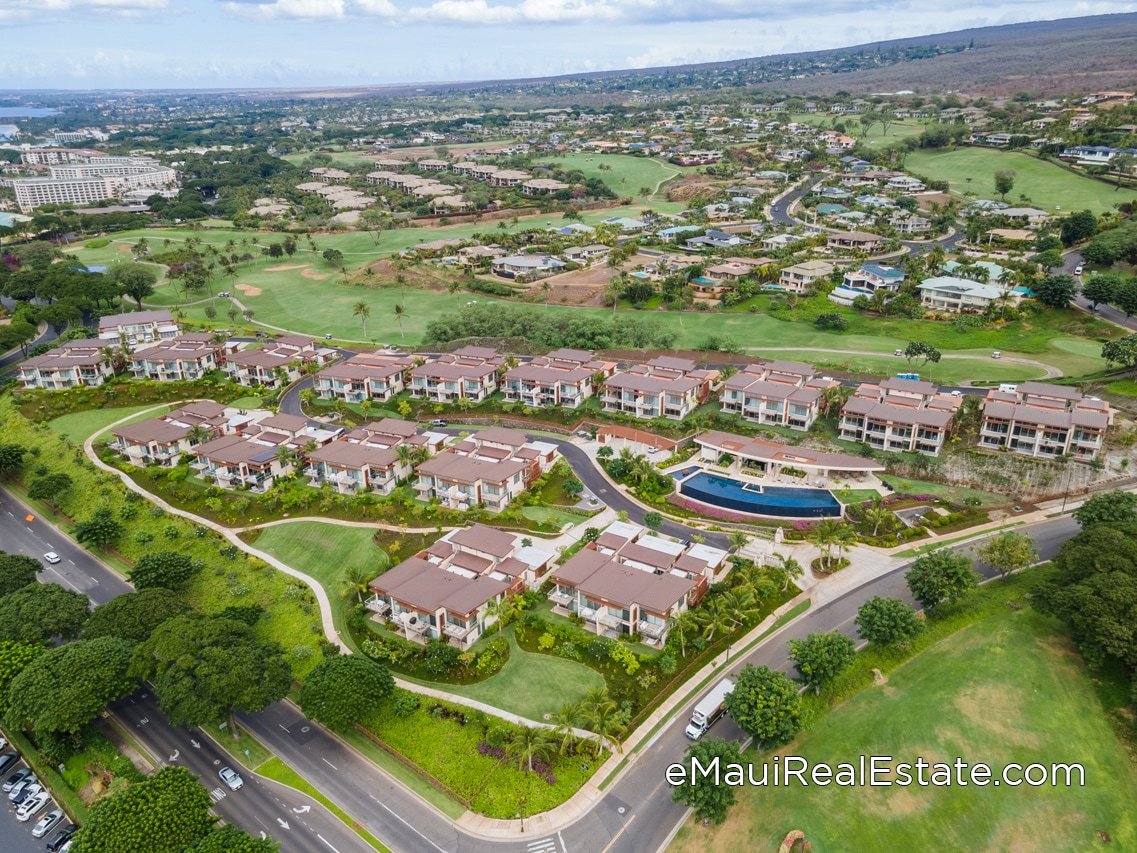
(545, 288)
(737, 539)
(878, 514)
(567, 720)
(844, 538)
(602, 715)
(362, 311)
(530, 743)
(356, 580)
(684, 626)
(790, 568)
(824, 537)
(197, 434)
(715, 618)
(400, 313)
(405, 454)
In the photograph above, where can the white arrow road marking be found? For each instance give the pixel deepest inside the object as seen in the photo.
(174, 757)
(283, 823)
(302, 809)
(195, 744)
(264, 835)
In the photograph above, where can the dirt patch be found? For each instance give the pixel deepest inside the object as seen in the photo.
(878, 677)
(995, 708)
(893, 803)
(122, 247)
(421, 276)
(693, 186)
(249, 289)
(312, 274)
(285, 267)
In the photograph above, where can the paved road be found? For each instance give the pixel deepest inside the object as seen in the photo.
(300, 824)
(77, 571)
(9, 361)
(636, 815)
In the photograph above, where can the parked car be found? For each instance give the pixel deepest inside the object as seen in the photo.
(60, 841)
(225, 294)
(31, 805)
(438, 422)
(15, 779)
(52, 557)
(3, 741)
(29, 787)
(6, 759)
(47, 823)
(583, 433)
(1078, 269)
(231, 778)
(327, 336)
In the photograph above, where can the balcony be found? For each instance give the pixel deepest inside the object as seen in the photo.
(655, 630)
(377, 605)
(457, 630)
(564, 599)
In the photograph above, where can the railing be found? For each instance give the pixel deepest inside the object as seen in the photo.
(377, 605)
(459, 632)
(561, 598)
(653, 629)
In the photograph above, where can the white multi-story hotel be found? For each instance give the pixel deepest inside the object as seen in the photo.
(96, 179)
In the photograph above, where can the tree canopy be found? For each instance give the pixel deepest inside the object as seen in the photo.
(135, 615)
(1093, 588)
(1107, 508)
(232, 839)
(1008, 552)
(710, 801)
(17, 570)
(66, 687)
(205, 669)
(163, 814)
(821, 657)
(940, 577)
(887, 621)
(14, 658)
(39, 611)
(766, 705)
(1055, 291)
(343, 689)
(163, 568)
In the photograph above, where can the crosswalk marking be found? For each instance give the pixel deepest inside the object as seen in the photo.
(217, 795)
(545, 845)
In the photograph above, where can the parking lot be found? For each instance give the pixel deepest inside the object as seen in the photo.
(17, 836)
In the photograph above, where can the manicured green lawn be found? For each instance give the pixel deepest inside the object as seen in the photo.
(955, 494)
(328, 553)
(532, 685)
(246, 403)
(971, 171)
(1009, 688)
(548, 513)
(626, 175)
(855, 496)
(77, 427)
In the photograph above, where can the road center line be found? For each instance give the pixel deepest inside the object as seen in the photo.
(326, 842)
(328, 763)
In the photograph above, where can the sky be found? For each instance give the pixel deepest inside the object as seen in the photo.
(136, 44)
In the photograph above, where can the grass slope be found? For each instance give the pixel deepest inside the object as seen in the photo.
(328, 553)
(1045, 185)
(1007, 689)
(78, 426)
(626, 175)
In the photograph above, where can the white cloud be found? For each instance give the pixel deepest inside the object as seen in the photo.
(328, 10)
(14, 11)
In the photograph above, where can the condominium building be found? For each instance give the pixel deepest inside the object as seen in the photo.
(261, 453)
(372, 458)
(367, 376)
(444, 591)
(854, 241)
(163, 440)
(490, 467)
(68, 365)
(900, 415)
(562, 378)
(185, 357)
(278, 362)
(777, 393)
(1045, 421)
(664, 387)
(630, 581)
(469, 373)
(138, 327)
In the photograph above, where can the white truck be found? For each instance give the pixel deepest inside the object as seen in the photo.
(709, 709)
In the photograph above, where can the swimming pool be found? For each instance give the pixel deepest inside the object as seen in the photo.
(781, 501)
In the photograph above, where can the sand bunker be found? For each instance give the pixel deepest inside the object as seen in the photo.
(122, 247)
(313, 275)
(248, 289)
(285, 267)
